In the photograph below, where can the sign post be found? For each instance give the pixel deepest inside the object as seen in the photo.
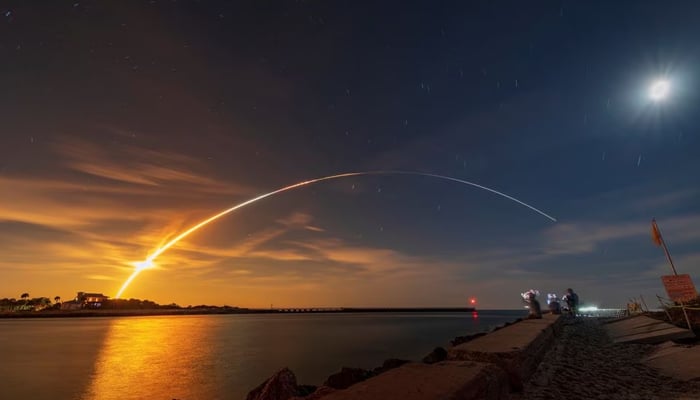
(680, 286)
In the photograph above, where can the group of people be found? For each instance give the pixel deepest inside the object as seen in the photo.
(568, 304)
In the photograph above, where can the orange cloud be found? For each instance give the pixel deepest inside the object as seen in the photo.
(97, 211)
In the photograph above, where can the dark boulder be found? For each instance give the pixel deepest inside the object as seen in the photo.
(438, 354)
(280, 386)
(305, 390)
(464, 339)
(388, 364)
(316, 395)
(347, 377)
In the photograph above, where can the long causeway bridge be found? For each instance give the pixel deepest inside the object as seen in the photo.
(370, 309)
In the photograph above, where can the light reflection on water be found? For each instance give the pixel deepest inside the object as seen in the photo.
(143, 356)
(209, 356)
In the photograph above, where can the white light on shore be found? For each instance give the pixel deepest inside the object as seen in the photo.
(659, 90)
(588, 309)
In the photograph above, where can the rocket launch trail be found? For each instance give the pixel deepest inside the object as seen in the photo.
(148, 262)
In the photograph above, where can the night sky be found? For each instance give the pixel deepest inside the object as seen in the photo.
(124, 123)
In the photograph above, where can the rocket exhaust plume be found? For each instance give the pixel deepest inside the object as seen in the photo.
(148, 262)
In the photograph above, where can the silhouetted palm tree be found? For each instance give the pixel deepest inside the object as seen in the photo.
(57, 299)
(24, 297)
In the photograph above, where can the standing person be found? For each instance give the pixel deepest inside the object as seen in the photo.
(571, 299)
(530, 297)
(553, 302)
(535, 309)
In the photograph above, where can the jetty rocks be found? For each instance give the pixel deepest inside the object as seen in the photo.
(491, 366)
(347, 377)
(438, 354)
(281, 385)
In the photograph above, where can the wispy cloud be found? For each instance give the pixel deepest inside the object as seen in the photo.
(687, 263)
(586, 237)
(141, 166)
(98, 210)
(85, 222)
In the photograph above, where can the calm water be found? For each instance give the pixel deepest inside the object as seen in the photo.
(209, 356)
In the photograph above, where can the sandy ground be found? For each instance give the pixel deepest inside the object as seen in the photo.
(585, 364)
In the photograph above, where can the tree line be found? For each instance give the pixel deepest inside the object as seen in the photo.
(26, 303)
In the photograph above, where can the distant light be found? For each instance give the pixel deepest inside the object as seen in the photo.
(588, 309)
(472, 301)
(659, 90)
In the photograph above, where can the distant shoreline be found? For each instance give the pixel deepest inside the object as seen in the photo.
(221, 310)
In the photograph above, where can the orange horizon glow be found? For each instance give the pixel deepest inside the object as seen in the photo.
(148, 262)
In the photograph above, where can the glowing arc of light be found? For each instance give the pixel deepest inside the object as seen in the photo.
(148, 262)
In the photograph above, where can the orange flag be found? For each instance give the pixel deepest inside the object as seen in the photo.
(655, 233)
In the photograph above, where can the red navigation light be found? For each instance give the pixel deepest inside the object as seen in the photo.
(472, 301)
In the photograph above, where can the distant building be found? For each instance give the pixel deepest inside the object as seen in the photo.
(90, 300)
(71, 305)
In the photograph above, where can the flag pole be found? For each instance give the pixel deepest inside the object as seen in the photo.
(663, 244)
(657, 233)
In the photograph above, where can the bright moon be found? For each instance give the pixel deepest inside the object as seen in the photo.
(659, 90)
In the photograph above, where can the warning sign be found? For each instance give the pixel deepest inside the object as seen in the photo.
(679, 287)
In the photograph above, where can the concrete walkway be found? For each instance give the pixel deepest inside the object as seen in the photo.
(488, 367)
(643, 329)
(441, 381)
(679, 361)
(584, 363)
(517, 348)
